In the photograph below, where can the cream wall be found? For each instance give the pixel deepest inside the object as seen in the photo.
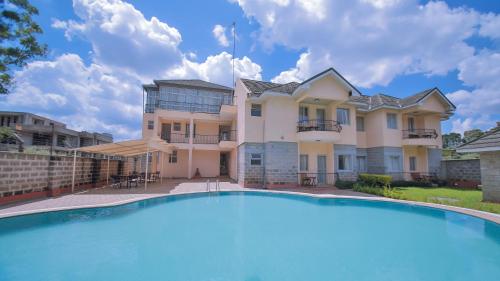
(233, 166)
(420, 153)
(179, 169)
(207, 161)
(433, 103)
(377, 133)
(327, 88)
(146, 133)
(242, 107)
(281, 115)
(313, 150)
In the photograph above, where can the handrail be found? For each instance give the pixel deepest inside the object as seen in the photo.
(318, 125)
(420, 134)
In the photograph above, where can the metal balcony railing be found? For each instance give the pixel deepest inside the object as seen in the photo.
(175, 138)
(318, 125)
(227, 136)
(420, 134)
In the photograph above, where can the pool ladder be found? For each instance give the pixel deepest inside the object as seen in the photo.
(217, 186)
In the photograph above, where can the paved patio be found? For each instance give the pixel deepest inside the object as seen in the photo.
(108, 196)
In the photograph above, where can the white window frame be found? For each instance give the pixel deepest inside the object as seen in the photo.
(254, 109)
(360, 120)
(412, 163)
(389, 117)
(151, 124)
(255, 159)
(364, 161)
(172, 158)
(391, 167)
(347, 162)
(347, 116)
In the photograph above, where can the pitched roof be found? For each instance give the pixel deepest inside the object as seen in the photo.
(196, 83)
(488, 142)
(257, 87)
(381, 100)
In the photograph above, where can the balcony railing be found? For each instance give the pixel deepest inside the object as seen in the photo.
(175, 138)
(420, 134)
(318, 125)
(215, 139)
(227, 136)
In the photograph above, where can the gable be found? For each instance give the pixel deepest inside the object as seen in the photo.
(435, 103)
(326, 87)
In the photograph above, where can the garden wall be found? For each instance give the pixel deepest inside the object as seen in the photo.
(461, 173)
(27, 176)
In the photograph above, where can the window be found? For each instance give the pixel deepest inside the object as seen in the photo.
(38, 122)
(392, 121)
(255, 159)
(344, 162)
(172, 158)
(394, 165)
(413, 163)
(151, 125)
(177, 127)
(303, 113)
(343, 116)
(256, 110)
(411, 124)
(304, 162)
(61, 140)
(361, 162)
(360, 123)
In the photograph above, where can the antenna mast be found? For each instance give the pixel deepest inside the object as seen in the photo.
(234, 49)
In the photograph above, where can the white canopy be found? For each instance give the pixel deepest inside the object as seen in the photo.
(130, 147)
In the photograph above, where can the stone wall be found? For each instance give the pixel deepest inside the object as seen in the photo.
(490, 174)
(379, 158)
(466, 171)
(22, 173)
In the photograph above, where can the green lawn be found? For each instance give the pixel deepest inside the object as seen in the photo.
(471, 199)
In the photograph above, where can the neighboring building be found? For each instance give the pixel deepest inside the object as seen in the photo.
(323, 127)
(35, 130)
(488, 147)
(199, 118)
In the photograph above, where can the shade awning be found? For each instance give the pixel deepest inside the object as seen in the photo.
(130, 147)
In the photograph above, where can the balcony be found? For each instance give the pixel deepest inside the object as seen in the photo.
(318, 130)
(176, 138)
(423, 137)
(225, 140)
(226, 104)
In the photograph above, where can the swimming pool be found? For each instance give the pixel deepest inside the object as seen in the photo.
(250, 236)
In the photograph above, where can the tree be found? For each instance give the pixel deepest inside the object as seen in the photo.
(17, 38)
(452, 140)
(472, 134)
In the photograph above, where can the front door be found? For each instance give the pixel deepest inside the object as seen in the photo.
(224, 160)
(321, 169)
(165, 132)
(320, 116)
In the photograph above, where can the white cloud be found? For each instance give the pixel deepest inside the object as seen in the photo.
(478, 107)
(219, 33)
(217, 69)
(490, 26)
(371, 42)
(84, 96)
(122, 37)
(127, 51)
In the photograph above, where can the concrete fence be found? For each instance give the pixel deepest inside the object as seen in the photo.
(461, 173)
(26, 176)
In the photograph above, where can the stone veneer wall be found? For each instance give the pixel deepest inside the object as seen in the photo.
(27, 173)
(490, 174)
(344, 149)
(465, 170)
(378, 161)
(279, 166)
(434, 156)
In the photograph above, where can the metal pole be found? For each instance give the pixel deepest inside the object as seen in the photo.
(107, 175)
(146, 175)
(74, 170)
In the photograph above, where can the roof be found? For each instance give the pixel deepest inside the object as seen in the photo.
(488, 142)
(257, 87)
(382, 100)
(190, 83)
(129, 148)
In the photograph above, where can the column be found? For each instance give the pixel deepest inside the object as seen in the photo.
(190, 158)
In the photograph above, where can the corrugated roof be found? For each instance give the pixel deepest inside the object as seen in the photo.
(257, 87)
(488, 142)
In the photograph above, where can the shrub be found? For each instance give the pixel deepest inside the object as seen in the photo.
(386, 191)
(375, 180)
(411, 184)
(341, 184)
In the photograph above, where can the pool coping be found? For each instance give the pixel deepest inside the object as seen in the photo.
(471, 212)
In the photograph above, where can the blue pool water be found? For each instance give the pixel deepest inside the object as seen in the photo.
(250, 237)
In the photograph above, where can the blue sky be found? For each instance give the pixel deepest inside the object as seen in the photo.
(102, 50)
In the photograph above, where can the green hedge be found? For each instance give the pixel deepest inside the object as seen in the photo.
(341, 184)
(375, 180)
(411, 184)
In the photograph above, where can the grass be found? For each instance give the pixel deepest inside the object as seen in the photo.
(466, 198)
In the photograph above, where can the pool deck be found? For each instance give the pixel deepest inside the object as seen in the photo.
(107, 196)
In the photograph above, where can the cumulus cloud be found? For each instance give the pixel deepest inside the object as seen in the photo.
(86, 97)
(490, 26)
(217, 69)
(369, 41)
(127, 51)
(219, 33)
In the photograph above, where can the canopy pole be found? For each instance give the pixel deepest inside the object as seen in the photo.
(146, 175)
(107, 175)
(73, 175)
(161, 166)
